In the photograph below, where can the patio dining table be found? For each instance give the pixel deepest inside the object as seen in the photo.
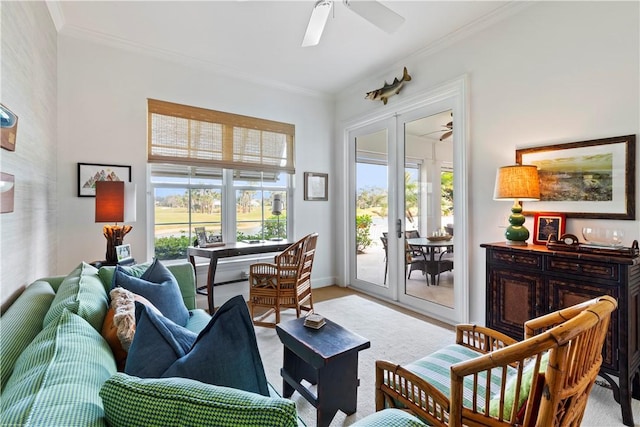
(433, 266)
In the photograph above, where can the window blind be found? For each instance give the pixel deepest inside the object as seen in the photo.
(181, 134)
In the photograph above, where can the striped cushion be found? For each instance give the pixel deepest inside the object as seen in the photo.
(25, 315)
(81, 293)
(57, 378)
(131, 401)
(435, 369)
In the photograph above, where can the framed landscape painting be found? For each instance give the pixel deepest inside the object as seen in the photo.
(588, 179)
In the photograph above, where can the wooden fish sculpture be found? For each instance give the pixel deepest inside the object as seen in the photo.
(388, 90)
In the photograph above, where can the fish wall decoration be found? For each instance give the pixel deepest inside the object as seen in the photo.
(388, 90)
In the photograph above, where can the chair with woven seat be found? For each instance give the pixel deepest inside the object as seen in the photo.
(414, 260)
(494, 380)
(416, 257)
(286, 283)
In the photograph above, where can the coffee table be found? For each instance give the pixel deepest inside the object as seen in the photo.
(327, 357)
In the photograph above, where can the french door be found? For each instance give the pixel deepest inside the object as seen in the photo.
(405, 181)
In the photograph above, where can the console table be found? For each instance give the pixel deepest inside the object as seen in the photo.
(230, 250)
(524, 282)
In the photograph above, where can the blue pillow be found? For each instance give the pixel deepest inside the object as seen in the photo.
(159, 286)
(157, 343)
(225, 353)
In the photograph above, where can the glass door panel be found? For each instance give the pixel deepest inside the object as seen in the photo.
(371, 208)
(428, 206)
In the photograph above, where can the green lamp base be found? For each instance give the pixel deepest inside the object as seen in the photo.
(516, 234)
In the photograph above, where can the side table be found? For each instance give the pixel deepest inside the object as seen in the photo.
(327, 357)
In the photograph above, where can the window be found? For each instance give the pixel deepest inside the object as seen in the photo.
(219, 171)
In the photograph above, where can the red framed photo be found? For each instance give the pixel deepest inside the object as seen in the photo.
(546, 224)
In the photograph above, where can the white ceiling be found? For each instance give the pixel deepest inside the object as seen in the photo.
(260, 40)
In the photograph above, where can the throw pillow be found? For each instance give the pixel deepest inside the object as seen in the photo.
(157, 344)
(120, 322)
(82, 293)
(182, 402)
(159, 286)
(510, 388)
(57, 378)
(225, 352)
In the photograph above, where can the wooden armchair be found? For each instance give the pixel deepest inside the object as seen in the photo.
(543, 380)
(284, 284)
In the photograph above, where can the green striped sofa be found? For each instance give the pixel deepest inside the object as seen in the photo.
(57, 370)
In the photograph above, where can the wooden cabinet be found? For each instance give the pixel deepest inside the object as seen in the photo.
(524, 282)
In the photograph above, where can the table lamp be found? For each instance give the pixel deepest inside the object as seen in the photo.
(115, 202)
(517, 182)
(276, 209)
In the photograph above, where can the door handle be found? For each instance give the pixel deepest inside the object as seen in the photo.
(399, 228)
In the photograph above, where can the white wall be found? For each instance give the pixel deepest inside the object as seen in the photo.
(28, 88)
(555, 72)
(103, 95)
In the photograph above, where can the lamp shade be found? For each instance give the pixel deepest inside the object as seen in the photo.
(517, 182)
(276, 205)
(115, 201)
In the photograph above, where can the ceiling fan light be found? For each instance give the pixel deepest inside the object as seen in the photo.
(318, 19)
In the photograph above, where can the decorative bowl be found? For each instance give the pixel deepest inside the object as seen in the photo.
(610, 237)
(439, 238)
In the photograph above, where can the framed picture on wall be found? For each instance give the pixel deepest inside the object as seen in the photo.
(586, 179)
(90, 173)
(547, 224)
(316, 186)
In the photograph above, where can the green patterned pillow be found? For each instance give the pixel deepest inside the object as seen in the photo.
(57, 378)
(510, 388)
(131, 401)
(20, 324)
(81, 293)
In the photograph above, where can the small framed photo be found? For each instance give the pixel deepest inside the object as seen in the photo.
(207, 240)
(316, 186)
(547, 224)
(123, 252)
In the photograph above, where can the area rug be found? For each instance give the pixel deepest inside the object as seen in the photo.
(401, 339)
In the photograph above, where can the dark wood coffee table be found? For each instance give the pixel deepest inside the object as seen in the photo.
(327, 357)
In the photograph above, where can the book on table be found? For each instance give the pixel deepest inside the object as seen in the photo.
(314, 321)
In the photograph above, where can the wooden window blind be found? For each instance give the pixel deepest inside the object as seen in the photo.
(181, 134)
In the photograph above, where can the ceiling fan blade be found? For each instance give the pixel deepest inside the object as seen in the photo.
(376, 13)
(318, 19)
(446, 135)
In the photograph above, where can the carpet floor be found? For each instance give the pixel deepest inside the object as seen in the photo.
(400, 337)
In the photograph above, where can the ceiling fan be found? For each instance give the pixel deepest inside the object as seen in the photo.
(447, 130)
(373, 11)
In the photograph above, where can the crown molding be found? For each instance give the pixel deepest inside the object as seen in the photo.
(56, 14)
(179, 58)
(509, 9)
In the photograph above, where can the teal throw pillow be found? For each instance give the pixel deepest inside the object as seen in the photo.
(225, 353)
(156, 345)
(159, 286)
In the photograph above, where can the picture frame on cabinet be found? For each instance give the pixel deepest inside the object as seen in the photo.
(547, 224)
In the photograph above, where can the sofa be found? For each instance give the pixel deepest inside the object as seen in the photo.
(58, 370)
